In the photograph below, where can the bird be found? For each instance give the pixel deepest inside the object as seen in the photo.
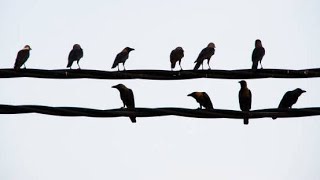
(245, 99)
(75, 55)
(22, 57)
(175, 56)
(206, 53)
(122, 57)
(127, 98)
(257, 54)
(203, 99)
(289, 99)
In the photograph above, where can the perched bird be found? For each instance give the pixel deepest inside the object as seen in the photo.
(206, 53)
(122, 57)
(245, 99)
(22, 57)
(127, 98)
(203, 99)
(75, 55)
(175, 56)
(289, 99)
(257, 54)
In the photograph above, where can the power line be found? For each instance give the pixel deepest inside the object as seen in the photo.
(160, 74)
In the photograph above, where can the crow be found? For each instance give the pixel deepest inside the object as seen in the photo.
(289, 99)
(175, 56)
(22, 57)
(122, 57)
(206, 53)
(245, 99)
(257, 54)
(75, 55)
(127, 98)
(203, 99)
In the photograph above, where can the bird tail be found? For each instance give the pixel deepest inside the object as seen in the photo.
(16, 67)
(196, 67)
(246, 121)
(69, 64)
(254, 65)
(114, 65)
(133, 119)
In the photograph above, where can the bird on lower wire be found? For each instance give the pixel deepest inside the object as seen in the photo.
(22, 57)
(175, 56)
(245, 99)
(257, 55)
(127, 98)
(203, 99)
(122, 57)
(289, 99)
(206, 53)
(75, 55)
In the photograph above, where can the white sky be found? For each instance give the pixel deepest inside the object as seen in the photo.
(44, 147)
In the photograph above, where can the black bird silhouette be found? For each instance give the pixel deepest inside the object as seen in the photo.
(122, 57)
(257, 54)
(175, 56)
(203, 99)
(75, 55)
(206, 53)
(245, 99)
(289, 99)
(22, 57)
(127, 98)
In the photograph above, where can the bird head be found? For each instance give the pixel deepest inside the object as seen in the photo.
(211, 45)
(179, 48)
(27, 47)
(76, 46)
(243, 83)
(192, 94)
(258, 43)
(129, 49)
(299, 91)
(119, 86)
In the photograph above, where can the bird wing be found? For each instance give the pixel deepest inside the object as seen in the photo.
(130, 99)
(207, 101)
(22, 57)
(71, 58)
(202, 55)
(120, 58)
(245, 99)
(258, 54)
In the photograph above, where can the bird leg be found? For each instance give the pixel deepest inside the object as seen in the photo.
(209, 66)
(261, 65)
(124, 68)
(180, 66)
(118, 68)
(202, 65)
(24, 66)
(78, 64)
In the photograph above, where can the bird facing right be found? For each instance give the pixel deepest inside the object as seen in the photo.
(245, 99)
(22, 57)
(289, 99)
(206, 53)
(203, 99)
(127, 98)
(175, 56)
(75, 55)
(257, 55)
(122, 57)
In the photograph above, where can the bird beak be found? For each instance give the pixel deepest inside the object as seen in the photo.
(303, 91)
(132, 49)
(113, 86)
(189, 95)
(239, 82)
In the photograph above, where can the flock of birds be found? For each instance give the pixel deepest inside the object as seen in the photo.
(126, 94)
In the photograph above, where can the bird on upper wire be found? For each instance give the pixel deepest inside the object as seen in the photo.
(127, 98)
(203, 99)
(22, 57)
(206, 53)
(122, 57)
(257, 54)
(245, 99)
(289, 99)
(75, 55)
(175, 56)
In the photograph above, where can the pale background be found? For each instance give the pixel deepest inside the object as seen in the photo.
(41, 147)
